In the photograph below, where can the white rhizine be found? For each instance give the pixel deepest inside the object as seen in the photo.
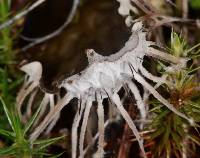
(100, 112)
(139, 102)
(33, 75)
(51, 116)
(126, 7)
(75, 125)
(84, 126)
(115, 98)
(28, 112)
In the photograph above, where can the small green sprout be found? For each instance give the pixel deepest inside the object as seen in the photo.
(21, 146)
(174, 136)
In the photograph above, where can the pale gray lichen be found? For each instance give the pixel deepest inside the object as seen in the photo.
(103, 78)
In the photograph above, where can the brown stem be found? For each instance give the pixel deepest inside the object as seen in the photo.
(126, 144)
(125, 141)
(185, 16)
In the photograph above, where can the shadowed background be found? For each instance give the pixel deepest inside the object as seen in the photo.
(96, 25)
